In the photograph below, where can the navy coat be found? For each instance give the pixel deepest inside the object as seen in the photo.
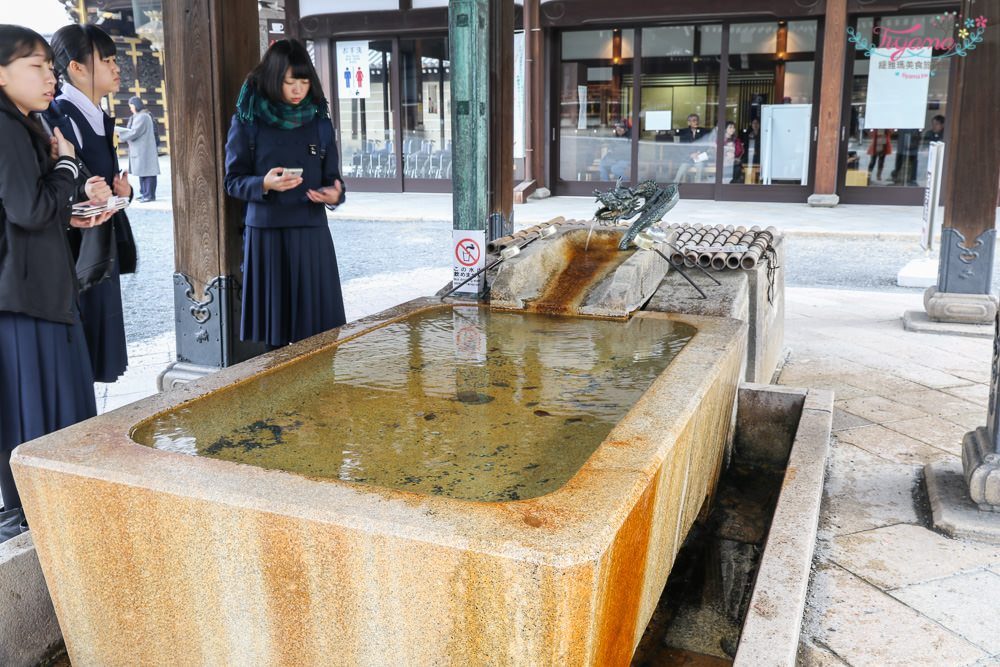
(299, 147)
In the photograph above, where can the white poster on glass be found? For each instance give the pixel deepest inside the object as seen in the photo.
(581, 119)
(897, 89)
(518, 95)
(353, 76)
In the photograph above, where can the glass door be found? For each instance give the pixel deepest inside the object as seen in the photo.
(770, 115)
(679, 96)
(594, 123)
(425, 118)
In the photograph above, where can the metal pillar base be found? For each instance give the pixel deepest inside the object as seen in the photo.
(981, 466)
(208, 332)
(952, 510)
(958, 307)
(181, 372)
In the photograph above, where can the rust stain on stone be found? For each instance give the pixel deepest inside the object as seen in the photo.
(584, 269)
(286, 587)
(619, 611)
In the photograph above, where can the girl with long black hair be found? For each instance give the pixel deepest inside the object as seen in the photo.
(45, 378)
(84, 57)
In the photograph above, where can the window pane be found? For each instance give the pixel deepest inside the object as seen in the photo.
(801, 36)
(753, 38)
(894, 157)
(426, 114)
(595, 105)
(678, 82)
(760, 80)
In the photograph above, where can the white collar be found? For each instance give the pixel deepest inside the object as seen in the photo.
(93, 114)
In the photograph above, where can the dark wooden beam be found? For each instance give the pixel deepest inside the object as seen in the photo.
(292, 28)
(580, 13)
(501, 114)
(212, 54)
(973, 131)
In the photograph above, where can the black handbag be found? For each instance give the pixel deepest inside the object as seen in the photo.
(128, 255)
(94, 250)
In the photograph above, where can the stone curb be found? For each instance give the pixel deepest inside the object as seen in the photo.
(771, 630)
(28, 626)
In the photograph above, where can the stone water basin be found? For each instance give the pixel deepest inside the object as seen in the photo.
(532, 520)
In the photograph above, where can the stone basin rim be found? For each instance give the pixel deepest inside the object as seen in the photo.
(612, 477)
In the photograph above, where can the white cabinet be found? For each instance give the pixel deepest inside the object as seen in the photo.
(785, 141)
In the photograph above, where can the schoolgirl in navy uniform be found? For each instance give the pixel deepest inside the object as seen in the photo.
(291, 284)
(85, 63)
(45, 377)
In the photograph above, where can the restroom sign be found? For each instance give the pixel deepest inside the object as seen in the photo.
(468, 259)
(353, 73)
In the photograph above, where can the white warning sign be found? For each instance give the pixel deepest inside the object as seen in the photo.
(469, 257)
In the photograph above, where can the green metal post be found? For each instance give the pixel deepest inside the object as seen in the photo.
(468, 23)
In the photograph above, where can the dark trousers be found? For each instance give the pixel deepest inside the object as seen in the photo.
(147, 187)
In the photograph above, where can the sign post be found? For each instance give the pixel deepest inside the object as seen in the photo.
(932, 192)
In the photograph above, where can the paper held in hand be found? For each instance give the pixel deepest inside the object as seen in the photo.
(90, 209)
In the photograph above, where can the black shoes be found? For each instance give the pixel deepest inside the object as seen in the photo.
(12, 523)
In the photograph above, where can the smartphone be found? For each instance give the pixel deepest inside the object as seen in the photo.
(294, 172)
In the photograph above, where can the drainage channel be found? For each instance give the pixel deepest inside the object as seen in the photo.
(698, 618)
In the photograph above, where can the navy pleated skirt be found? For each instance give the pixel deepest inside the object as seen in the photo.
(104, 328)
(291, 285)
(45, 378)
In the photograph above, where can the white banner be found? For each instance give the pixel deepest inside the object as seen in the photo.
(897, 89)
(518, 95)
(353, 76)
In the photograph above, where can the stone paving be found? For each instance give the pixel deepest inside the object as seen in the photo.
(887, 589)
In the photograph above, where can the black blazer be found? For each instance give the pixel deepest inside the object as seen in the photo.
(37, 275)
(689, 136)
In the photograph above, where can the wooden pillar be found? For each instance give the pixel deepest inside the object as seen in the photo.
(534, 124)
(210, 57)
(501, 118)
(973, 133)
(973, 174)
(830, 104)
(972, 171)
(292, 27)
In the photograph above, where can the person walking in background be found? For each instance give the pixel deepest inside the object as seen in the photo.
(45, 377)
(85, 64)
(143, 160)
(880, 147)
(281, 159)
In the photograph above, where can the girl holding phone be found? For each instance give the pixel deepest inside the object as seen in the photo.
(291, 285)
(45, 378)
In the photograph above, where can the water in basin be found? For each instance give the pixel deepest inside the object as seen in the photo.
(454, 401)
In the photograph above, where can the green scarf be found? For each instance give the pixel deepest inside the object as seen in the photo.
(252, 107)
